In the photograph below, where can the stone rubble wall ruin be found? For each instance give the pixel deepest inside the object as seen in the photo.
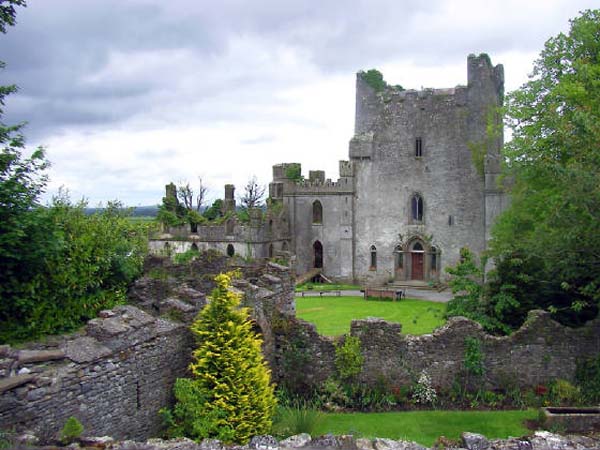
(114, 377)
(116, 374)
(540, 351)
(119, 371)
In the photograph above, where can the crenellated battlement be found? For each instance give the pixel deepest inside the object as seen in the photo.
(316, 184)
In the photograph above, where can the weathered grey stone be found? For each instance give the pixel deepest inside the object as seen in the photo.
(85, 349)
(327, 440)
(13, 382)
(175, 303)
(156, 444)
(390, 444)
(28, 356)
(364, 444)
(211, 444)
(512, 444)
(298, 440)
(96, 441)
(474, 441)
(23, 371)
(4, 350)
(104, 329)
(35, 394)
(264, 442)
(26, 438)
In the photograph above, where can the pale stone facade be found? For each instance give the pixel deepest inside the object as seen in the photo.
(420, 184)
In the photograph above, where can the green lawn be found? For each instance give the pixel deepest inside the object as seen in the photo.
(425, 427)
(332, 315)
(327, 287)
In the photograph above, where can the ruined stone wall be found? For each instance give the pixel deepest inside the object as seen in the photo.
(114, 377)
(540, 351)
(117, 373)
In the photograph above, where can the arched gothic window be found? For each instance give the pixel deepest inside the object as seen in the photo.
(434, 259)
(230, 250)
(416, 205)
(373, 257)
(317, 212)
(417, 247)
(399, 257)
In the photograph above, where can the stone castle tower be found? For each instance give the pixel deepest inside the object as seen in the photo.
(420, 183)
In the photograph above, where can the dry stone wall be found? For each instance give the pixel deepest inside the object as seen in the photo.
(540, 351)
(117, 373)
(114, 377)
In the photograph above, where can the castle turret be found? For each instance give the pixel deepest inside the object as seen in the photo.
(229, 203)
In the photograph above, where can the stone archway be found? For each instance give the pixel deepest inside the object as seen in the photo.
(318, 255)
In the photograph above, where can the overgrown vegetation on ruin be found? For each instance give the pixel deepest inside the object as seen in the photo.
(374, 78)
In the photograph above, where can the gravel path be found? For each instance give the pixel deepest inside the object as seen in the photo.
(420, 294)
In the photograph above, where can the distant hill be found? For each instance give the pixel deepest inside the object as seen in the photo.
(137, 211)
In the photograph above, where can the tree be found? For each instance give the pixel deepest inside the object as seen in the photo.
(547, 245)
(58, 266)
(8, 13)
(215, 211)
(253, 193)
(230, 396)
(187, 195)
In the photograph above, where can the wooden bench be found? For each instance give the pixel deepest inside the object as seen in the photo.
(393, 294)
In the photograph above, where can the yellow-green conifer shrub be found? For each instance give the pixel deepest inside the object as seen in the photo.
(230, 396)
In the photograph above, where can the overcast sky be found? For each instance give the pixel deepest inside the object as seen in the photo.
(127, 95)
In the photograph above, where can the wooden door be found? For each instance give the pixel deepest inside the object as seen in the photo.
(417, 266)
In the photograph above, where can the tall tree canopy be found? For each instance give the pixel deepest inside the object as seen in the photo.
(547, 245)
(58, 266)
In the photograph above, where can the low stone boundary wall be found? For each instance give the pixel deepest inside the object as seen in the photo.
(540, 351)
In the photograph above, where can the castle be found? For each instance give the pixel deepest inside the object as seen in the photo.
(421, 183)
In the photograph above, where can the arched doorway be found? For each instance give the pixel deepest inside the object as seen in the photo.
(417, 253)
(318, 255)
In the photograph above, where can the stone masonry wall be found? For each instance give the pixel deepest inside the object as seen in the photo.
(540, 351)
(114, 377)
(117, 373)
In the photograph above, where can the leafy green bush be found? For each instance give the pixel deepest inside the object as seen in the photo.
(294, 172)
(349, 359)
(87, 263)
(587, 376)
(72, 430)
(564, 393)
(230, 396)
(186, 257)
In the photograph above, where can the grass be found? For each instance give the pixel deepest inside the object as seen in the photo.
(326, 287)
(425, 427)
(332, 315)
